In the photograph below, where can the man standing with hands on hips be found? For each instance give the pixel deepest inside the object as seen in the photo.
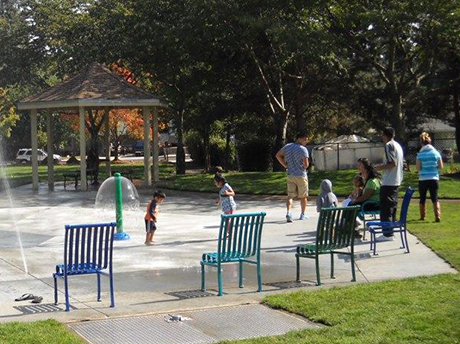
(392, 168)
(294, 158)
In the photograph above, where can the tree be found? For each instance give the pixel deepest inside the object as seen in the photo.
(124, 124)
(8, 115)
(397, 39)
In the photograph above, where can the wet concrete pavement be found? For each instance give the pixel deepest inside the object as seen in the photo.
(148, 278)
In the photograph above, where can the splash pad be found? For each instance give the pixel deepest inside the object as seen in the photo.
(118, 192)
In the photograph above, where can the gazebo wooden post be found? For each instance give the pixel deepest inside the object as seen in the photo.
(34, 146)
(147, 158)
(156, 166)
(50, 149)
(108, 167)
(84, 186)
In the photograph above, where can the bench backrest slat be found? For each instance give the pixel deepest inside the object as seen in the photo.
(244, 235)
(335, 227)
(88, 246)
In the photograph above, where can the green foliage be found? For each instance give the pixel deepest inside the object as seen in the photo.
(8, 115)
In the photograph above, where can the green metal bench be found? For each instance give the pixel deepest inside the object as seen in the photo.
(334, 233)
(239, 240)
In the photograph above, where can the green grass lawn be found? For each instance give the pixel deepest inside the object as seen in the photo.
(40, 332)
(443, 237)
(274, 183)
(22, 174)
(258, 183)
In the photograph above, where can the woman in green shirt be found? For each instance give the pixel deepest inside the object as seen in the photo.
(371, 190)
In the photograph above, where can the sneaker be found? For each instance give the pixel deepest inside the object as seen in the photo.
(289, 217)
(386, 238)
(304, 217)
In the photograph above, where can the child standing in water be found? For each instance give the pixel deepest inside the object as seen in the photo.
(152, 215)
(226, 195)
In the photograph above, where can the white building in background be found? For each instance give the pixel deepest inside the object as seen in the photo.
(344, 151)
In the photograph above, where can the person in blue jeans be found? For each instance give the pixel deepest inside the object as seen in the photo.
(428, 163)
(294, 158)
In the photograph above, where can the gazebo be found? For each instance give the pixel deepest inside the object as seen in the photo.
(96, 88)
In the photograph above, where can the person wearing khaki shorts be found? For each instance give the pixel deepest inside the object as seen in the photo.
(297, 187)
(294, 157)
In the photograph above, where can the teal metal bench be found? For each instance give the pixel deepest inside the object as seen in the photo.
(334, 233)
(239, 240)
(370, 211)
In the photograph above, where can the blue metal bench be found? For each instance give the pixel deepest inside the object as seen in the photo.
(87, 250)
(334, 233)
(239, 239)
(379, 227)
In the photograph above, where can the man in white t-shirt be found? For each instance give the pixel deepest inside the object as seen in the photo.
(392, 168)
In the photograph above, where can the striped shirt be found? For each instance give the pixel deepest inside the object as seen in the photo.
(428, 157)
(294, 155)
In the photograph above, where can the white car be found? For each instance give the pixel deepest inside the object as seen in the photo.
(25, 156)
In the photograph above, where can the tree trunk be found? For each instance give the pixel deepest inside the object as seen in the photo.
(281, 122)
(180, 154)
(227, 145)
(397, 117)
(117, 144)
(456, 99)
(207, 148)
(93, 154)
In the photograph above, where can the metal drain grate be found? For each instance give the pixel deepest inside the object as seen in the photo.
(189, 294)
(43, 308)
(205, 326)
(288, 285)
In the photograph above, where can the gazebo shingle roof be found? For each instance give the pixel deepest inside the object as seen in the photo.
(95, 85)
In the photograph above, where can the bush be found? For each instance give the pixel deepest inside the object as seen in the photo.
(195, 147)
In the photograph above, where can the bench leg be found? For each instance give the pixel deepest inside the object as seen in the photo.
(219, 280)
(318, 277)
(112, 293)
(98, 287)
(297, 261)
(353, 274)
(240, 274)
(203, 277)
(332, 266)
(55, 290)
(259, 276)
(405, 239)
(66, 288)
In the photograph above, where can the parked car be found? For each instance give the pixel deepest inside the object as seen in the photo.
(24, 156)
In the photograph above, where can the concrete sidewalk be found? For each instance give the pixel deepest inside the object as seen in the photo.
(166, 277)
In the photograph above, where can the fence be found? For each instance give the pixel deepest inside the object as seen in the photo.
(339, 156)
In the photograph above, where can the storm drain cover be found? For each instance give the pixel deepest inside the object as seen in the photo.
(205, 326)
(189, 294)
(288, 285)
